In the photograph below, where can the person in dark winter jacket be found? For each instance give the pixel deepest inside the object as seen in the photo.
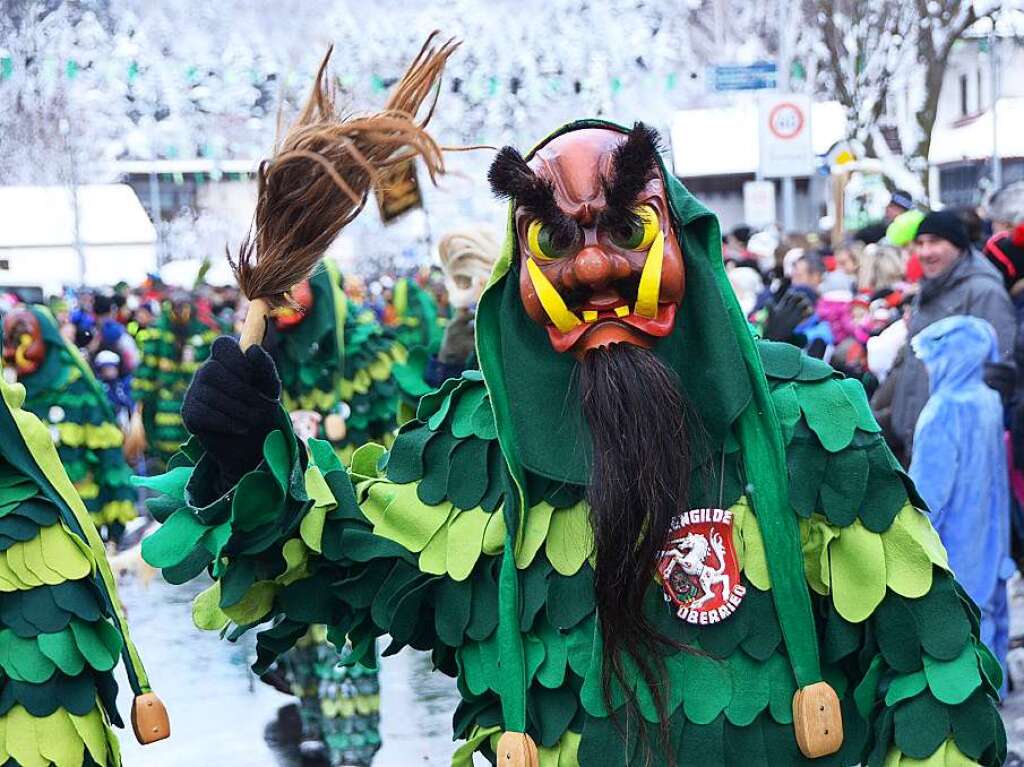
(956, 280)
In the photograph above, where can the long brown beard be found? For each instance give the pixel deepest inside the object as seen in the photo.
(640, 428)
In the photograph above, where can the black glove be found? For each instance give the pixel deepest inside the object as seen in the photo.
(459, 339)
(783, 317)
(232, 405)
(1001, 376)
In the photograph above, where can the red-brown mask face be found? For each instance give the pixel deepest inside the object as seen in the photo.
(601, 261)
(288, 317)
(24, 347)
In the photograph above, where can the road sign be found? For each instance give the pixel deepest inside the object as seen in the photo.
(759, 203)
(785, 135)
(751, 77)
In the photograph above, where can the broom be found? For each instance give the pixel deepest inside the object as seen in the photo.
(319, 179)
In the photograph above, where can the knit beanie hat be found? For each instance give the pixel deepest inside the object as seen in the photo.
(947, 225)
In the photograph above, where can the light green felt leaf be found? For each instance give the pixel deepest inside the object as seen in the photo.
(828, 413)
(366, 459)
(465, 541)
(908, 568)
(296, 557)
(15, 556)
(65, 552)
(254, 605)
(58, 742)
(176, 537)
(171, 483)
(754, 563)
(60, 647)
(538, 520)
(206, 612)
(816, 535)
(953, 681)
(857, 572)
(494, 535)
(463, 756)
(408, 521)
(317, 489)
(918, 526)
(434, 557)
(311, 529)
(570, 539)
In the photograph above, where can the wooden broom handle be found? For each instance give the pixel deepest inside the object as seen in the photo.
(255, 326)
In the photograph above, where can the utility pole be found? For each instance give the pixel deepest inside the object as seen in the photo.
(785, 56)
(993, 52)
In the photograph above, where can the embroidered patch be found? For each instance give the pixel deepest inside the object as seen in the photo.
(699, 571)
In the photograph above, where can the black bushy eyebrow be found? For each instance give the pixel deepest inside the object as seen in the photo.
(632, 162)
(512, 179)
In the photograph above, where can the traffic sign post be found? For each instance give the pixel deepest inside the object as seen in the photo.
(785, 145)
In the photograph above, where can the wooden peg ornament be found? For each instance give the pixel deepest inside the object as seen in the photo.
(517, 749)
(817, 720)
(149, 719)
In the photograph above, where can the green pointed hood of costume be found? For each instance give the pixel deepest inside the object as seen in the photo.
(713, 351)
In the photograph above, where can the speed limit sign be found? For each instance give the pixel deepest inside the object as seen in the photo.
(786, 120)
(785, 136)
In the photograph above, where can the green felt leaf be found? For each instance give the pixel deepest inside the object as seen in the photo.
(570, 540)
(922, 724)
(806, 463)
(780, 360)
(311, 528)
(942, 625)
(465, 542)
(408, 521)
(977, 727)
(908, 568)
(434, 557)
(255, 605)
(278, 458)
(467, 474)
(828, 413)
(787, 407)
(952, 682)
(433, 488)
(782, 687)
(707, 689)
(535, 532)
(171, 484)
(465, 408)
(551, 673)
(904, 687)
(483, 617)
(100, 643)
(858, 572)
(61, 648)
(405, 461)
(570, 599)
(750, 688)
(173, 541)
(257, 501)
(552, 711)
(437, 418)
(366, 459)
(855, 394)
(206, 612)
(483, 421)
(496, 476)
(813, 369)
(452, 603)
(22, 660)
(845, 481)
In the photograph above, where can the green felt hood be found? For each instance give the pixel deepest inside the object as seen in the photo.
(520, 366)
(712, 349)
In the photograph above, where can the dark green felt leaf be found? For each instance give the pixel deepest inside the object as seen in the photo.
(551, 712)
(944, 630)
(898, 633)
(433, 488)
(571, 599)
(922, 724)
(405, 461)
(806, 464)
(704, 739)
(976, 725)
(780, 360)
(452, 602)
(533, 591)
(845, 481)
(483, 618)
(745, 745)
(765, 634)
(885, 494)
(496, 472)
(467, 474)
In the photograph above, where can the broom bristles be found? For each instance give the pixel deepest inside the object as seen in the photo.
(323, 169)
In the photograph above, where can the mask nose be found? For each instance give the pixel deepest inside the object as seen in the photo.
(595, 268)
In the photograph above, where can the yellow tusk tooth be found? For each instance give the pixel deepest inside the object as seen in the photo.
(650, 280)
(550, 299)
(621, 311)
(589, 315)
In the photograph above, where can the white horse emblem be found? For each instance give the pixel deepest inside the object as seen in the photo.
(690, 554)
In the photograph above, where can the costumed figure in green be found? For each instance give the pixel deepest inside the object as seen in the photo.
(467, 257)
(62, 628)
(637, 533)
(62, 391)
(171, 350)
(338, 705)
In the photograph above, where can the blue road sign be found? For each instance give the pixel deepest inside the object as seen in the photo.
(751, 77)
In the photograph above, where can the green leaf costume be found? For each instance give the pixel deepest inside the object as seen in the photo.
(65, 394)
(471, 539)
(170, 354)
(62, 628)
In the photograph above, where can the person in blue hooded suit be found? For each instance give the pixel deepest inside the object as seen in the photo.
(959, 465)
